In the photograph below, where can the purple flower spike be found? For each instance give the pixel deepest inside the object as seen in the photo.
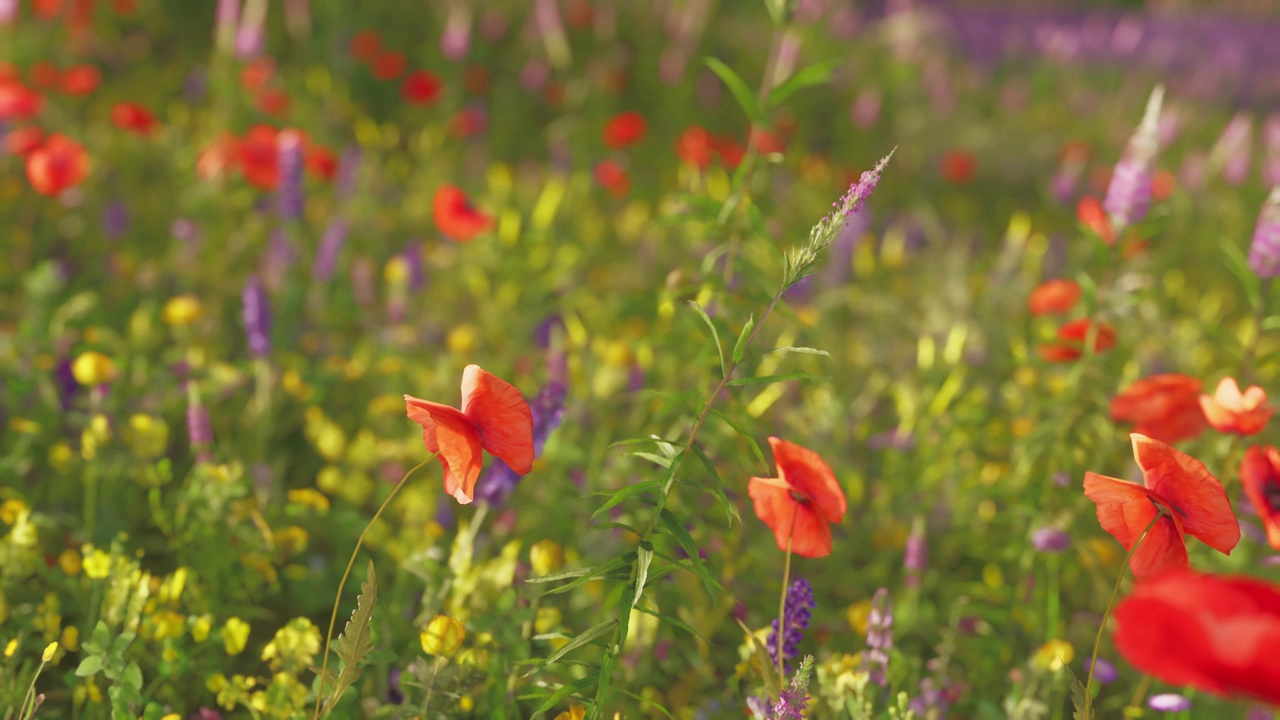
(1103, 671)
(289, 198)
(1129, 194)
(800, 604)
(498, 480)
(1169, 702)
(257, 318)
(251, 36)
(115, 220)
(879, 637)
(1264, 251)
(916, 555)
(331, 242)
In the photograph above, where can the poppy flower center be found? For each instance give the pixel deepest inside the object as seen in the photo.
(805, 501)
(1271, 493)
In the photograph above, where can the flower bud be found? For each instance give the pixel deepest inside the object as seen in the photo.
(92, 368)
(443, 636)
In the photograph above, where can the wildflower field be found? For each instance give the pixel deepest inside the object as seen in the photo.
(686, 359)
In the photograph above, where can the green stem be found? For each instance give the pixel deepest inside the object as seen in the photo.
(780, 633)
(1106, 615)
(337, 599)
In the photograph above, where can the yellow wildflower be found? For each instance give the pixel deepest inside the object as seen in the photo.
(235, 633)
(443, 636)
(10, 510)
(97, 564)
(575, 712)
(70, 638)
(10, 648)
(1053, 655)
(182, 310)
(546, 557)
(858, 615)
(49, 651)
(310, 498)
(92, 368)
(201, 627)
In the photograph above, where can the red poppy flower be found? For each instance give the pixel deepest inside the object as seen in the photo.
(1177, 489)
(454, 215)
(1090, 214)
(1071, 339)
(729, 150)
(257, 154)
(802, 502)
(1165, 407)
(133, 117)
(321, 163)
(766, 142)
(694, 147)
(421, 88)
(1215, 633)
(124, 7)
(494, 416)
(17, 101)
(388, 65)
(80, 80)
(257, 74)
(623, 129)
(273, 101)
(45, 74)
(23, 140)
(613, 177)
(957, 167)
(47, 9)
(1230, 411)
(1260, 475)
(365, 45)
(58, 164)
(218, 156)
(1054, 297)
(578, 14)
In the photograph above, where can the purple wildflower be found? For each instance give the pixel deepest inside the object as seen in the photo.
(1230, 152)
(879, 637)
(1264, 251)
(65, 382)
(456, 39)
(916, 555)
(1103, 671)
(791, 703)
(413, 260)
(1050, 540)
(498, 480)
(257, 317)
(1258, 712)
(1271, 139)
(115, 220)
(1169, 702)
(331, 242)
(932, 700)
(252, 33)
(1129, 194)
(799, 605)
(394, 695)
(289, 197)
(205, 713)
(344, 185)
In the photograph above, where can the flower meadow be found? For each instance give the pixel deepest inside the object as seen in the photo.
(584, 359)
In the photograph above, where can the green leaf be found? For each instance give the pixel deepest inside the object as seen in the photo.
(1079, 699)
(1239, 266)
(755, 447)
(644, 557)
(816, 74)
(761, 653)
(672, 620)
(132, 677)
(658, 460)
(646, 703)
(740, 347)
(715, 334)
(584, 638)
(741, 93)
(91, 665)
(771, 379)
(620, 564)
(731, 512)
(356, 639)
(672, 526)
(626, 493)
(796, 350)
(777, 11)
(565, 691)
(122, 643)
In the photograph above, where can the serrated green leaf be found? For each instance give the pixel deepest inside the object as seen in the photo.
(1079, 698)
(755, 447)
(626, 493)
(565, 691)
(583, 638)
(740, 347)
(715, 334)
(771, 379)
(356, 639)
(816, 74)
(731, 512)
(746, 99)
(673, 527)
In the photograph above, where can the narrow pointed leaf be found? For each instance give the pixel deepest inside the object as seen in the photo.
(740, 347)
(715, 334)
(731, 512)
(746, 99)
(755, 447)
(771, 379)
(584, 638)
(816, 74)
(672, 526)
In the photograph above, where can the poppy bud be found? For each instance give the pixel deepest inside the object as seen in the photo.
(443, 636)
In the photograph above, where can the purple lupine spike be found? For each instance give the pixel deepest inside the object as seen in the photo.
(413, 260)
(65, 381)
(916, 555)
(1231, 151)
(498, 480)
(115, 220)
(455, 41)
(799, 606)
(879, 637)
(1129, 194)
(289, 198)
(226, 18)
(251, 36)
(1264, 251)
(257, 317)
(331, 242)
(793, 701)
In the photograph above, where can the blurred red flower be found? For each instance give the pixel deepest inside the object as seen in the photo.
(1179, 491)
(1215, 633)
(766, 141)
(388, 65)
(222, 152)
(1071, 339)
(421, 87)
(1090, 214)
(257, 155)
(624, 129)
(1165, 407)
(322, 163)
(81, 80)
(133, 117)
(257, 73)
(455, 217)
(729, 150)
(21, 141)
(46, 9)
(494, 416)
(45, 74)
(476, 79)
(1163, 184)
(273, 101)
(17, 101)
(1231, 411)
(469, 122)
(958, 167)
(694, 147)
(802, 502)
(613, 177)
(1054, 297)
(56, 165)
(365, 45)
(1260, 475)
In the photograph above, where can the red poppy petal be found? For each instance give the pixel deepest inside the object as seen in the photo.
(451, 435)
(811, 537)
(1124, 508)
(1163, 548)
(806, 471)
(809, 532)
(501, 415)
(1195, 494)
(772, 502)
(1260, 476)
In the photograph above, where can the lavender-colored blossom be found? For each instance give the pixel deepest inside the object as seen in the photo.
(879, 637)
(412, 255)
(331, 242)
(199, 428)
(289, 197)
(278, 259)
(394, 695)
(115, 220)
(915, 555)
(1050, 540)
(932, 700)
(1264, 251)
(251, 36)
(493, 24)
(184, 230)
(865, 111)
(896, 439)
(1258, 712)
(205, 713)
(65, 382)
(791, 704)
(455, 42)
(534, 74)
(344, 185)
(1271, 141)
(1169, 702)
(1129, 194)
(1104, 671)
(545, 330)
(196, 86)
(1231, 151)
(8, 12)
(498, 480)
(257, 317)
(799, 606)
